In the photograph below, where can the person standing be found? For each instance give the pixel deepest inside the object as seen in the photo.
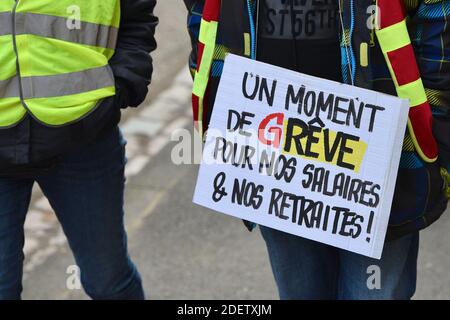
(392, 46)
(67, 68)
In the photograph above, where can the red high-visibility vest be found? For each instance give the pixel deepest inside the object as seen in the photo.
(206, 46)
(392, 34)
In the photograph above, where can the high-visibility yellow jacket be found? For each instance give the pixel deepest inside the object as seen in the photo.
(54, 58)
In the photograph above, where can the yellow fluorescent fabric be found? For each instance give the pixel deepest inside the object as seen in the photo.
(7, 58)
(45, 53)
(65, 57)
(207, 36)
(49, 110)
(6, 5)
(11, 111)
(106, 12)
(393, 37)
(413, 91)
(208, 31)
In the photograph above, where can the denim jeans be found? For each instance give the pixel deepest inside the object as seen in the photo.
(305, 269)
(86, 192)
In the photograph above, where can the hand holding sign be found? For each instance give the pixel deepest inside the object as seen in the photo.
(303, 155)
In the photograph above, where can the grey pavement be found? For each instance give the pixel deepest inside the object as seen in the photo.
(184, 251)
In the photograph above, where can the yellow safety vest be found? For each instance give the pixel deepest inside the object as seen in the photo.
(54, 58)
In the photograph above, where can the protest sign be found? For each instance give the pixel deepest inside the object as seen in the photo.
(304, 155)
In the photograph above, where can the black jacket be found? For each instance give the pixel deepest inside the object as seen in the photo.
(30, 147)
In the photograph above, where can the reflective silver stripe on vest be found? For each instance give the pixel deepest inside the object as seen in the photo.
(58, 28)
(67, 83)
(9, 88)
(5, 23)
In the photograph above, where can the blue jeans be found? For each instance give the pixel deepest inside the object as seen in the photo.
(86, 191)
(305, 269)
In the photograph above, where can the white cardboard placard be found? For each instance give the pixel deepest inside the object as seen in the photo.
(304, 155)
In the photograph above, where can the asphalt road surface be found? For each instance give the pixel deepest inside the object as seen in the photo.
(183, 251)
